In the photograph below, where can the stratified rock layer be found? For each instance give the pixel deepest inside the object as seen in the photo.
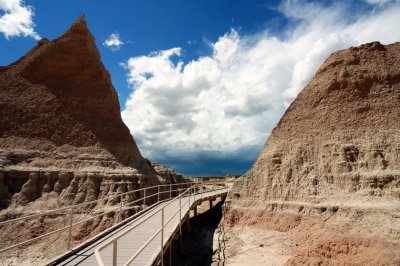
(335, 153)
(341, 136)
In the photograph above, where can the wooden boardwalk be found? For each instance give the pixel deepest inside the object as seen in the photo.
(134, 235)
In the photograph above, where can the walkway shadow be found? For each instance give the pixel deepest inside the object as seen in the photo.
(197, 245)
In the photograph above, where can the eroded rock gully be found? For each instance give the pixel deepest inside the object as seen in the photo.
(333, 161)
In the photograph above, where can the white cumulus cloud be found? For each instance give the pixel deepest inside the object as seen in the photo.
(17, 19)
(224, 103)
(113, 42)
(377, 2)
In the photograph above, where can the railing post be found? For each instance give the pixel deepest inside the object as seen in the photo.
(180, 214)
(144, 196)
(158, 193)
(162, 237)
(120, 206)
(180, 222)
(170, 191)
(70, 228)
(115, 253)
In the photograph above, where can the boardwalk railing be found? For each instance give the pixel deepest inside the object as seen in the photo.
(153, 195)
(189, 196)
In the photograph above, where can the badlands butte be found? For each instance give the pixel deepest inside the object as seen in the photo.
(326, 185)
(325, 190)
(63, 142)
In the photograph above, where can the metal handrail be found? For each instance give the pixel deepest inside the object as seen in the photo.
(145, 245)
(102, 199)
(108, 243)
(65, 228)
(72, 207)
(115, 239)
(66, 208)
(86, 203)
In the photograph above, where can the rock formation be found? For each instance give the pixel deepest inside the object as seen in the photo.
(61, 130)
(167, 175)
(334, 156)
(59, 108)
(63, 142)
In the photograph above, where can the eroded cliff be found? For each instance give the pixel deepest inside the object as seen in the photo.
(63, 142)
(59, 108)
(61, 129)
(333, 160)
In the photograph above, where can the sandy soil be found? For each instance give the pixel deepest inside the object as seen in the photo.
(244, 245)
(252, 246)
(284, 238)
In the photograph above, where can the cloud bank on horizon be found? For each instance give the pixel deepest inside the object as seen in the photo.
(17, 19)
(225, 105)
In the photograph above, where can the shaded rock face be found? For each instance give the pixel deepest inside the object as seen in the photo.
(167, 175)
(61, 132)
(30, 190)
(58, 108)
(22, 188)
(330, 170)
(340, 137)
(63, 142)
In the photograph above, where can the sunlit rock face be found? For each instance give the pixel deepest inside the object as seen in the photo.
(329, 174)
(340, 137)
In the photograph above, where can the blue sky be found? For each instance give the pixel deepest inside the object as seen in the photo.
(144, 26)
(201, 84)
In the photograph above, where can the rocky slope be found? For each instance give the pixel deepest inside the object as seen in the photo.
(332, 164)
(63, 142)
(167, 175)
(59, 108)
(61, 130)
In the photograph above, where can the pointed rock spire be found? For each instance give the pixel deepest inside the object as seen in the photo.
(81, 19)
(70, 100)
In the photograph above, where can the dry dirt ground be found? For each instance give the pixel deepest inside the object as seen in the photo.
(252, 246)
(250, 237)
(283, 238)
(244, 245)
